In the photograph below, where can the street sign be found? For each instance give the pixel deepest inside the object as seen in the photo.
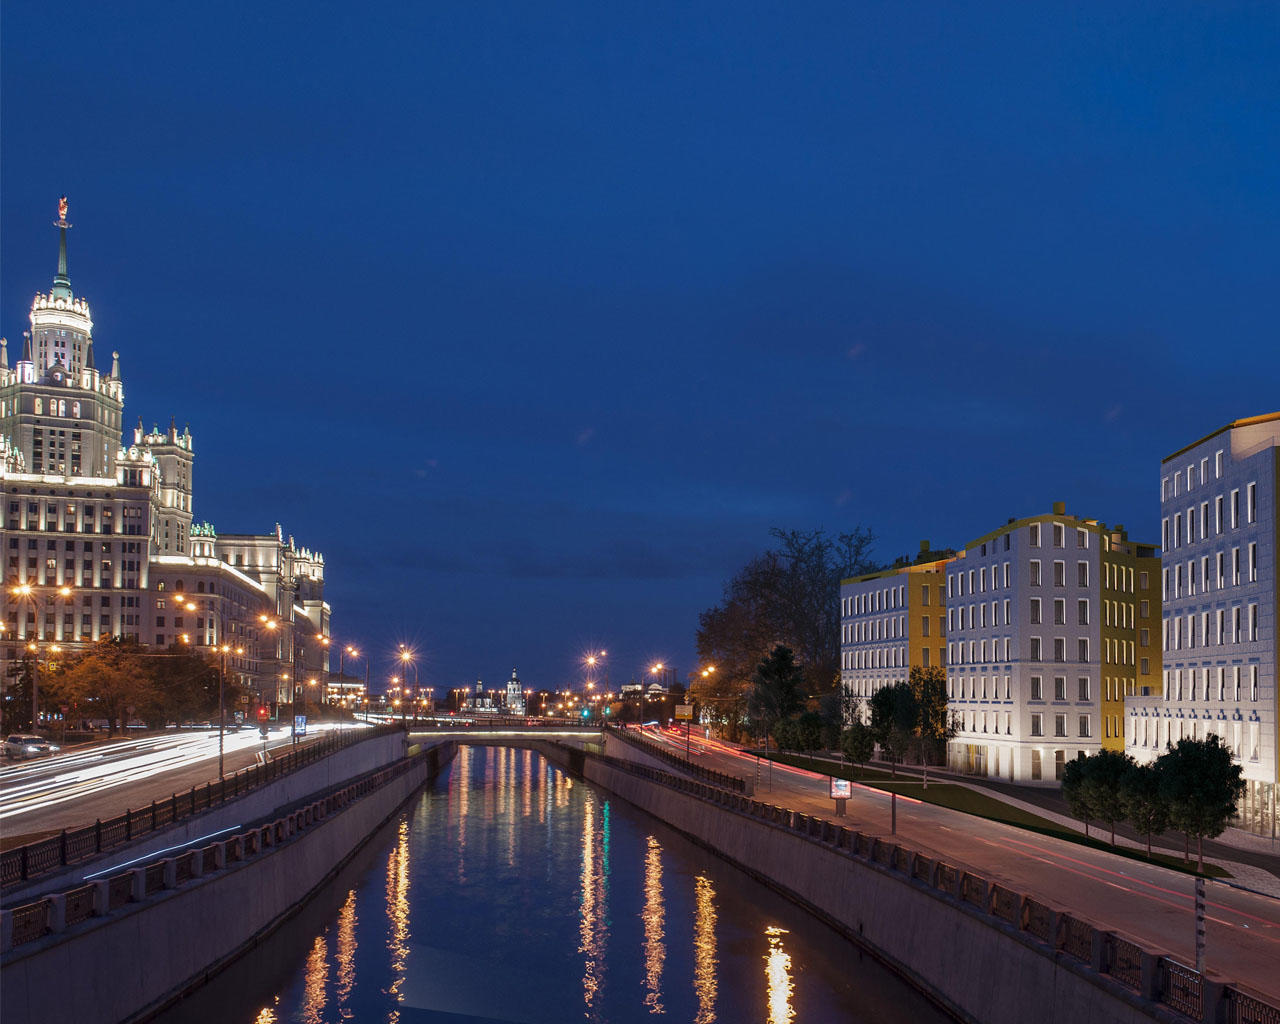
(684, 712)
(841, 789)
(300, 724)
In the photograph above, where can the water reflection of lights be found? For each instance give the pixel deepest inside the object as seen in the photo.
(704, 949)
(777, 970)
(315, 982)
(464, 803)
(654, 911)
(398, 912)
(594, 902)
(346, 952)
(267, 1015)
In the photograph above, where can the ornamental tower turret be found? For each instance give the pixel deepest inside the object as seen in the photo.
(174, 457)
(515, 695)
(56, 409)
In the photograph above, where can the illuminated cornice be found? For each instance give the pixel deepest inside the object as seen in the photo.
(198, 562)
(52, 311)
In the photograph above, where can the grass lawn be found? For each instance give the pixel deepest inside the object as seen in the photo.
(961, 798)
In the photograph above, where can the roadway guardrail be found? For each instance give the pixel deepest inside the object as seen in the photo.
(637, 740)
(72, 846)
(59, 911)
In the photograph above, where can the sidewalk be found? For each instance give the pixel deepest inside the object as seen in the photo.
(1253, 876)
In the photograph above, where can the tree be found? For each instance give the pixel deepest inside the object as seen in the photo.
(786, 734)
(937, 725)
(1202, 785)
(858, 742)
(1093, 787)
(1076, 791)
(184, 687)
(789, 596)
(894, 719)
(776, 690)
(809, 727)
(836, 708)
(1144, 806)
(110, 676)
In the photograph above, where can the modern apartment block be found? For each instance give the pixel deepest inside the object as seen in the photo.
(1221, 533)
(890, 621)
(1044, 639)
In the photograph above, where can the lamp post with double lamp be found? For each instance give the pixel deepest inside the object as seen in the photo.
(272, 625)
(38, 600)
(395, 703)
(407, 659)
(591, 659)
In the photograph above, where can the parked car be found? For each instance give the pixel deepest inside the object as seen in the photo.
(24, 745)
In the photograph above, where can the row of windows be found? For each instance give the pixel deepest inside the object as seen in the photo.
(873, 629)
(1211, 629)
(1187, 528)
(858, 604)
(1059, 534)
(1060, 725)
(976, 617)
(976, 721)
(1156, 733)
(1169, 484)
(1198, 583)
(105, 546)
(1220, 682)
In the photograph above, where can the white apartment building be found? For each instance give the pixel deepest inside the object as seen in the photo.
(1042, 632)
(1220, 532)
(891, 621)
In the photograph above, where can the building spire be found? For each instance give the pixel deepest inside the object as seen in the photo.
(26, 346)
(4, 353)
(88, 356)
(61, 282)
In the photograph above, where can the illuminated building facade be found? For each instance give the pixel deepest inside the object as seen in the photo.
(113, 525)
(1221, 534)
(1043, 642)
(891, 621)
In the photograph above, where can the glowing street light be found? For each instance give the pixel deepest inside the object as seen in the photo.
(30, 593)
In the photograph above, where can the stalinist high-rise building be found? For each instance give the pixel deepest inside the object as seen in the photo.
(100, 538)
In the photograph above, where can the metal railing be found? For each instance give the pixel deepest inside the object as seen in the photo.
(59, 911)
(72, 846)
(635, 739)
(1150, 974)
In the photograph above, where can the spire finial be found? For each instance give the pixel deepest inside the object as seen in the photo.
(61, 282)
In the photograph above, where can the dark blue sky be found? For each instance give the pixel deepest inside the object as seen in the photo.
(535, 317)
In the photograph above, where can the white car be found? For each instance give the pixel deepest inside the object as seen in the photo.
(22, 745)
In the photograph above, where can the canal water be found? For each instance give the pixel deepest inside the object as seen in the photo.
(510, 892)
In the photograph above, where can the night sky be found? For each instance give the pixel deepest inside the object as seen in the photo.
(534, 318)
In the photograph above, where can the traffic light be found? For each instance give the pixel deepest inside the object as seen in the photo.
(264, 713)
(586, 713)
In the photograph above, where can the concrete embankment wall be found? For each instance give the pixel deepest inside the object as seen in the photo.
(138, 959)
(334, 770)
(977, 969)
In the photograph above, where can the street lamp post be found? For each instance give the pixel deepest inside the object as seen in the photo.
(407, 659)
(28, 592)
